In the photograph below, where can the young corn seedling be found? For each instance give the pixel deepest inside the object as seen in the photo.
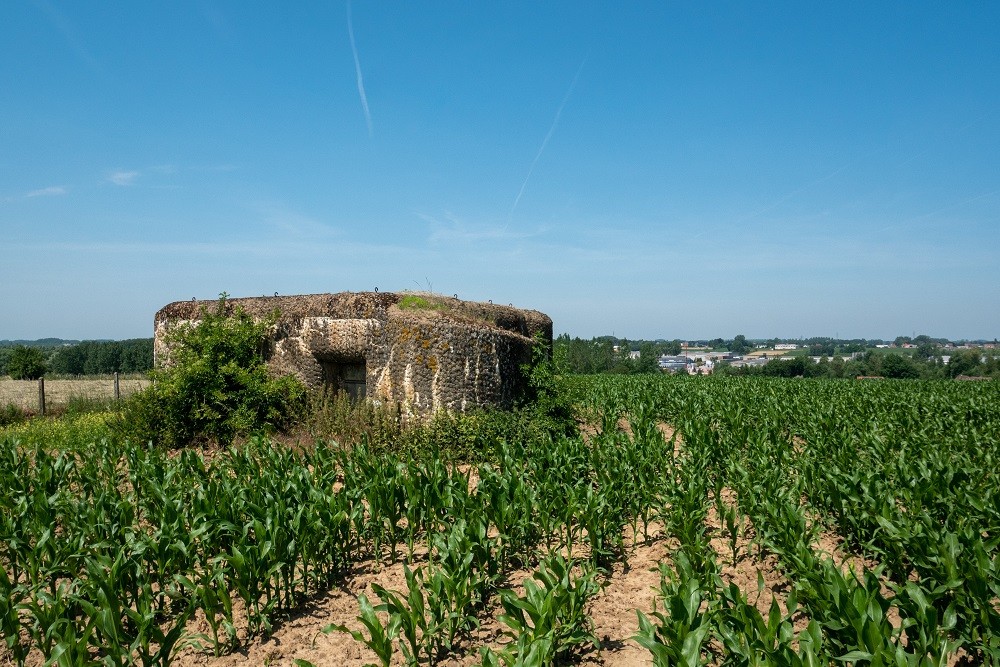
(381, 638)
(683, 627)
(550, 620)
(733, 522)
(409, 615)
(10, 624)
(212, 597)
(748, 639)
(129, 627)
(927, 629)
(450, 602)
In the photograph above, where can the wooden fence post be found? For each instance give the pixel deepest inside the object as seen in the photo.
(117, 391)
(41, 396)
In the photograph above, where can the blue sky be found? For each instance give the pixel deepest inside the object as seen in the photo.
(643, 169)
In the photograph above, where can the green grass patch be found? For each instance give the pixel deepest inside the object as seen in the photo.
(417, 302)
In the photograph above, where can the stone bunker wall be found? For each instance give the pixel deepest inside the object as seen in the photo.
(424, 352)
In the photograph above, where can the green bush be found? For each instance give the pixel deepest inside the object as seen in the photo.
(542, 396)
(26, 363)
(11, 414)
(215, 385)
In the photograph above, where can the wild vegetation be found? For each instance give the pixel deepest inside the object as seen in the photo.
(215, 386)
(119, 551)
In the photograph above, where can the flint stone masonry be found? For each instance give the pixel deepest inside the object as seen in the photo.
(424, 352)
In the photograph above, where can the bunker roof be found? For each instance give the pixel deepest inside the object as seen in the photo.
(375, 305)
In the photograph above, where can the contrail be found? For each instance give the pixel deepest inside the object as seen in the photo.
(781, 200)
(931, 214)
(545, 142)
(357, 70)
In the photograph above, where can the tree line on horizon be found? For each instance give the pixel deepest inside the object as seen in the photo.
(611, 355)
(571, 355)
(30, 362)
(894, 365)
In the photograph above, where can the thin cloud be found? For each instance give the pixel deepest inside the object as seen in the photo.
(545, 142)
(931, 214)
(454, 230)
(293, 224)
(68, 30)
(123, 177)
(52, 191)
(791, 195)
(357, 71)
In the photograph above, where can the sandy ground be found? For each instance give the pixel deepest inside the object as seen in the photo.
(24, 393)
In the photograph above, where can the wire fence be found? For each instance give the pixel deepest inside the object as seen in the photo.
(43, 395)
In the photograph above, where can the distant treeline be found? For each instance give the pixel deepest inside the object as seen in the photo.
(89, 357)
(607, 354)
(896, 365)
(41, 342)
(101, 357)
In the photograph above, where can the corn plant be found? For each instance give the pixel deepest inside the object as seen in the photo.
(408, 613)
(750, 639)
(125, 618)
(381, 638)
(550, 620)
(681, 630)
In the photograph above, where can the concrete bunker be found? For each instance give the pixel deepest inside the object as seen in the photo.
(422, 351)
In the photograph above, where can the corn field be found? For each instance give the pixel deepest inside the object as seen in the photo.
(111, 550)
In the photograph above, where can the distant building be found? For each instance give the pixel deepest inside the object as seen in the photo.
(673, 363)
(786, 346)
(751, 361)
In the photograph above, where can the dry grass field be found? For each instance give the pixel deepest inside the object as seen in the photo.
(24, 393)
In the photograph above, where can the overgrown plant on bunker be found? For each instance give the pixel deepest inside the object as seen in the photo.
(216, 386)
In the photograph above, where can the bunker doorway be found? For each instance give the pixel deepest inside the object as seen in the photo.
(348, 376)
